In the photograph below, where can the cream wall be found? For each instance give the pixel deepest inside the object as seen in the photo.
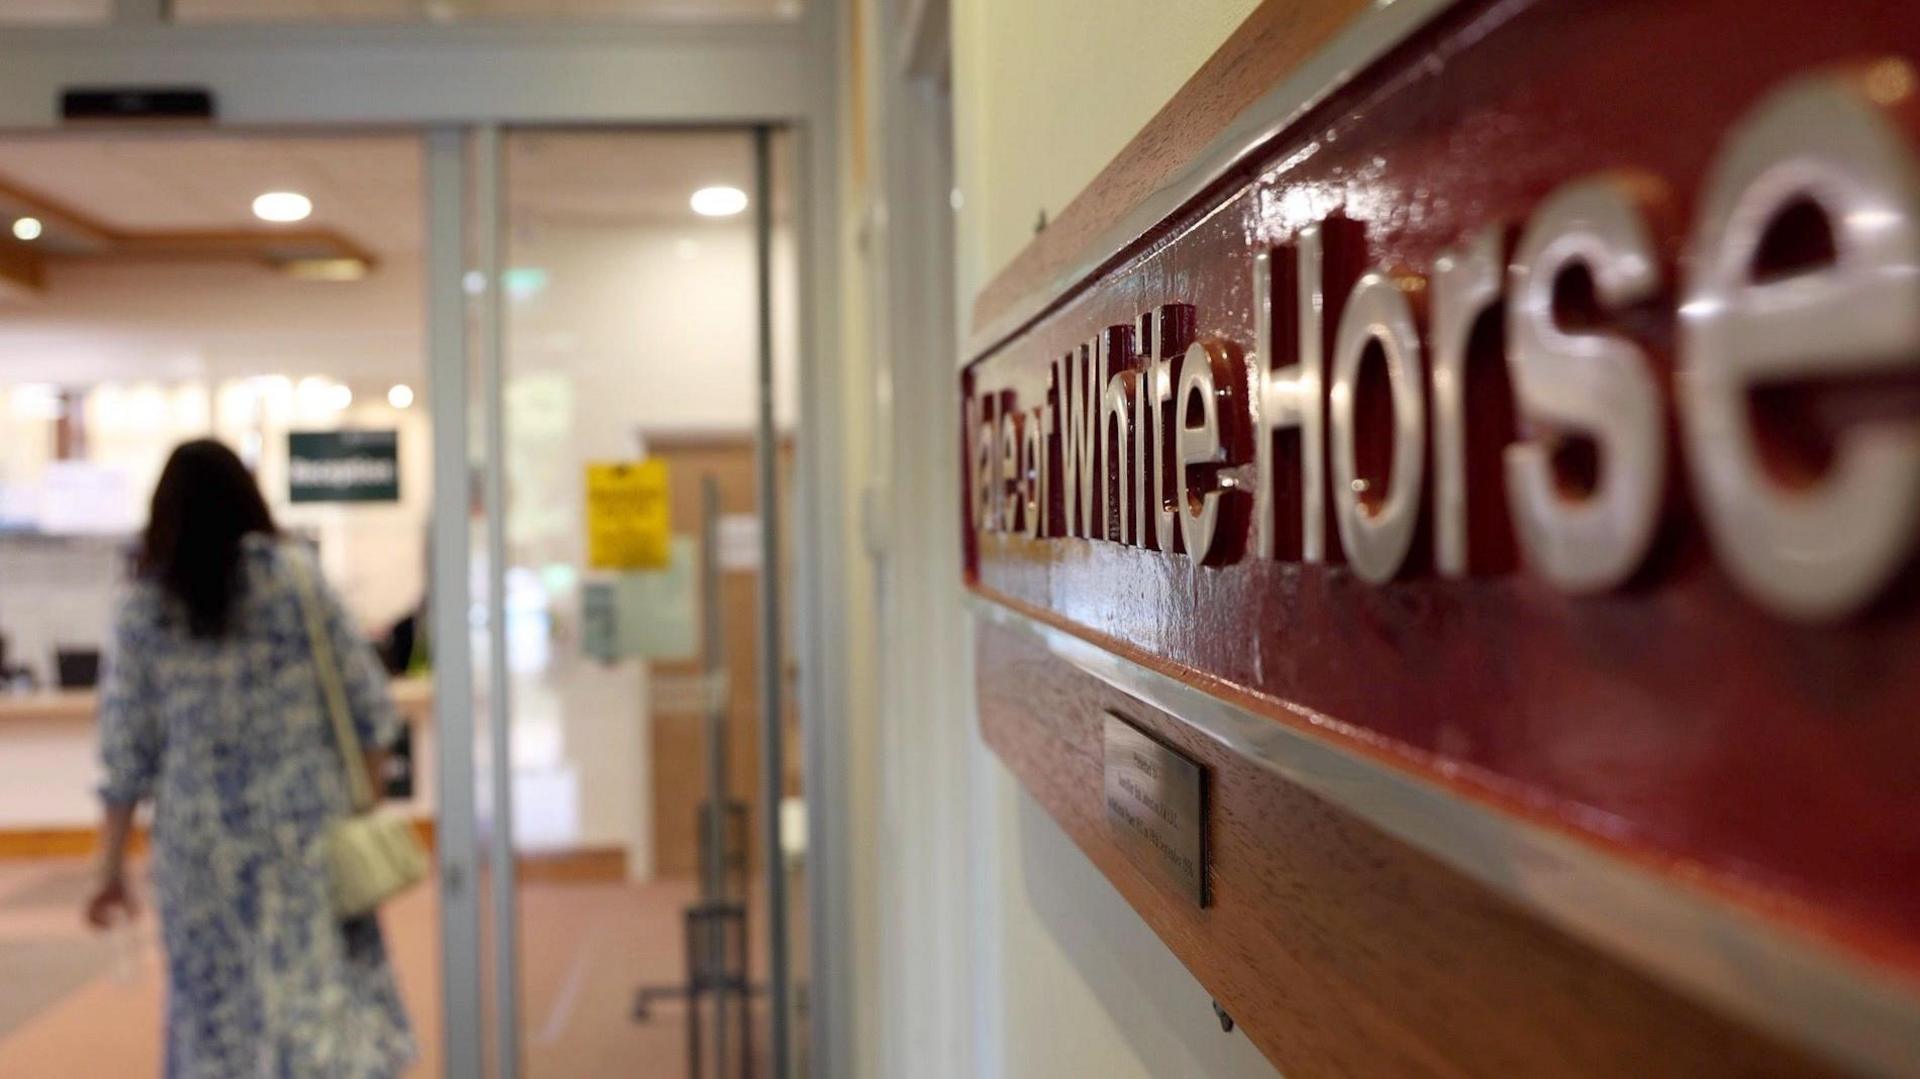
(1046, 94)
(1068, 979)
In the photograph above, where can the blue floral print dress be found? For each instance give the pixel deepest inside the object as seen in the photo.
(231, 740)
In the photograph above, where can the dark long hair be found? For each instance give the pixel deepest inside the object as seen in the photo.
(205, 502)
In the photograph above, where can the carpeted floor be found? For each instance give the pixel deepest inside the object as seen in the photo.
(41, 973)
(74, 1003)
(59, 884)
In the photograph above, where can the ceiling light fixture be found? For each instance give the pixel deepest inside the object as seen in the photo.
(27, 229)
(326, 269)
(282, 207)
(36, 401)
(400, 396)
(318, 396)
(718, 201)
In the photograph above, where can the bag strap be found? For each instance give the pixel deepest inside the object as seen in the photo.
(320, 644)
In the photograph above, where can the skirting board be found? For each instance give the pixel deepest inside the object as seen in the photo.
(571, 865)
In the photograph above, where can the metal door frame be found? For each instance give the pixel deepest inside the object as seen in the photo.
(461, 82)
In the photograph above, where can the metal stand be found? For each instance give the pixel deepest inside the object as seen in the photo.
(717, 992)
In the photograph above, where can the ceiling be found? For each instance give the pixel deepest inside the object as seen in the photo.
(109, 316)
(583, 177)
(363, 11)
(369, 187)
(440, 10)
(365, 187)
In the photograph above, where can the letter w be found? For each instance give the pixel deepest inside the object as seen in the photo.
(1083, 377)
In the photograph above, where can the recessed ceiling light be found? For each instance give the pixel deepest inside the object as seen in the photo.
(718, 201)
(282, 207)
(27, 229)
(400, 396)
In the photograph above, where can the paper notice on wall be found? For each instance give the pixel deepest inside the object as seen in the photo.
(600, 621)
(739, 539)
(627, 515)
(81, 498)
(660, 609)
(648, 614)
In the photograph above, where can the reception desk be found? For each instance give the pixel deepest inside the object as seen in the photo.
(413, 697)
(49, 769)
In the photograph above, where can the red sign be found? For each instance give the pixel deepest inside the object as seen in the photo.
(1542, 418)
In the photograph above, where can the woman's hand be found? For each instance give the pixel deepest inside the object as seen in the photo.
(112, 896)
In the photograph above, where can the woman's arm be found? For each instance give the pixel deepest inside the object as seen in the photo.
(132, 740)
(377, 771)
(111, 893)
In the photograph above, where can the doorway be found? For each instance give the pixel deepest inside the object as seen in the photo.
(636, 360)
(580, 312)
(145, 302)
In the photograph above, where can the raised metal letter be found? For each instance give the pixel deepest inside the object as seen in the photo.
(1589, 383)
(1466, 282)
(1377, 533)
(1197, 444)
(1291, 396)
(1825, 548)
(1116, 445)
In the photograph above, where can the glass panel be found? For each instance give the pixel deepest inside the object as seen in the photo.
(631, 346)
(407, 11)
(494, 882)
(55, 12)
(784, 269)
(151, 306)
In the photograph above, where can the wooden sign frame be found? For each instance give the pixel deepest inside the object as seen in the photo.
(1469, 810)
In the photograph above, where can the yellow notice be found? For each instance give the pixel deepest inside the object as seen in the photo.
(627, 525)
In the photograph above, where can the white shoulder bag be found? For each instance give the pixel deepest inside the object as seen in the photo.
(373, 854)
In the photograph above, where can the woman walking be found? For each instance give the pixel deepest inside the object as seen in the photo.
(213, 708)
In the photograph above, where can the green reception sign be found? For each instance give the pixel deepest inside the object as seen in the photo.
(343, 466)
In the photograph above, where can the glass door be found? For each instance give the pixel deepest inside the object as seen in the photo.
(148, 297)
(625, 822)
(579, 347)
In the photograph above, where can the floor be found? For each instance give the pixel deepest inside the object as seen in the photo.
(585, 947)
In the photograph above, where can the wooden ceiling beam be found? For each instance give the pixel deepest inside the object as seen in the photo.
(22, 271)
(275, 247)
(73, 233)
(61, 221)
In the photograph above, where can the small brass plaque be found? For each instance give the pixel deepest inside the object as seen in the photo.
(1157, 807)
